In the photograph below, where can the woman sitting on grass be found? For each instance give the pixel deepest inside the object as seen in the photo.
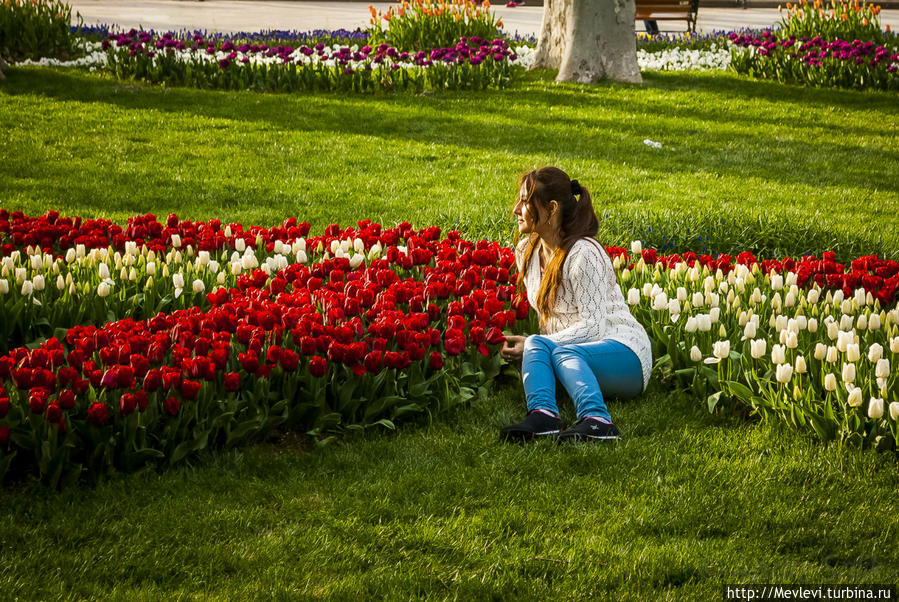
(589, 340)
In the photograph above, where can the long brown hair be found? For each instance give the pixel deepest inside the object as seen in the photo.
(578, 221)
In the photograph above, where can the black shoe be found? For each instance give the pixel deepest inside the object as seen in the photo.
(536, 424)
(591, 430)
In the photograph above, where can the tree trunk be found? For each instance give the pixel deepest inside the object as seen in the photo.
(588, 40)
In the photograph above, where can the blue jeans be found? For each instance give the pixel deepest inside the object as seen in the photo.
(588, 371)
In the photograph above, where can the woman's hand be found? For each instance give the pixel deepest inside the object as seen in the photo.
(513, 348)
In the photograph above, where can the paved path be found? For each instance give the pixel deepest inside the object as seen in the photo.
(256, 15)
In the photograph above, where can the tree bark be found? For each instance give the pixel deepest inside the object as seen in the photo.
(588, 40)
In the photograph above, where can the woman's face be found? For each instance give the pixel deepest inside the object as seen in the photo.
(526, 220)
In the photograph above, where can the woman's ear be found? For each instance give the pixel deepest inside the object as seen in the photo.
(553, 208)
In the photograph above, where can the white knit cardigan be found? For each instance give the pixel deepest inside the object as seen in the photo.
(589, 305)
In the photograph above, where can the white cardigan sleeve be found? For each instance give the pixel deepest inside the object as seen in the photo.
(588, 276)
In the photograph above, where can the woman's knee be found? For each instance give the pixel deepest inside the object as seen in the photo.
(536, 343)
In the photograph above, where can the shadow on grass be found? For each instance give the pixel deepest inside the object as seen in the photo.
(721, 131)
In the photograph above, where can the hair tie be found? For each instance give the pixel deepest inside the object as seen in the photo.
(575, 188)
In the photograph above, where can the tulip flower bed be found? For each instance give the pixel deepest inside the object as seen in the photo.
(367, 332)
(267, 327)
(816, 61)
(833, 354)
(472, 63)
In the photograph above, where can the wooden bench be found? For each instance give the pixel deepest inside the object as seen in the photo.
(668, 10)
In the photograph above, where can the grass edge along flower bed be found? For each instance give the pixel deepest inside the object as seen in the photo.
(254, 371)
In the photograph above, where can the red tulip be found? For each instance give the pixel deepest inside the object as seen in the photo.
(171, 406)
(232, 382)
(98, 414)
(318, 366)
(190, 389)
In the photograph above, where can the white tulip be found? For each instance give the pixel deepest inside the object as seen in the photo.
(848, 373)
(874, 322)
(832, 354)
(783, 373)
(636, 247)
(674, 307)
(695, 354)
(176, 241)
(844, 339)
(750, 330)
(691, 325)
(199, 286)
(721, 349)
(714, 314)
(356, 260)
(882, 369)
(758, 348)
(681, 293)
(633, 297)
(178, 280)
(859, 297)
(875, 352)
(104, 271)
(812, 325)
(103, 289)
(792, 341)
(240, 245)
(278, 247)
(894, 345)
(301, 256)
(837, 297)
(830, 382)
(846, 307)
(697, 300)
(236, 268)
(345, 246)
(778, 354)
(60, 282)
(894, 411)
(220, 278)
(855, 397)
(833, 330)
(790, 300)
(875, 408)
(358, 245)
(801, 367)
(27, 288)
(70, 255)
(203, 258)
(777, 282)
(703, 322)
(228, 232)
(853, 353)
(376, 249)
(756, 296)
(660, 302)
(646, 291)
(298, 245)
(820, 351)
(846, 322)
(862, 322)
(813, 296)
(39, 283)
(249, 262)
(335, 244)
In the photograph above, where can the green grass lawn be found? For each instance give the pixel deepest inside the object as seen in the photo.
(685, 503)
(746, 164)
